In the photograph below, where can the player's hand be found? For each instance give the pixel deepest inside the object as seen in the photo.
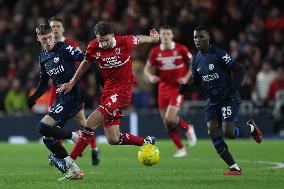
(31, 102)
(182, 80)
(65, 88)
(154, 34)
(154, 79)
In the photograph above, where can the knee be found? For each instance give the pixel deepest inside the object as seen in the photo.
(113, 141)
(213, 132)
(43, 128)
(170, 122)
(229, 134)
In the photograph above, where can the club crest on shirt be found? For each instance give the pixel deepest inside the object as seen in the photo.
(117, 51)
(211, 66)
(56, 59)
(98, 54)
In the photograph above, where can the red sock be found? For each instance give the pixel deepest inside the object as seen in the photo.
(93, 142)
(176, 138)
(82, 143)
(183, 124)
(129, 139)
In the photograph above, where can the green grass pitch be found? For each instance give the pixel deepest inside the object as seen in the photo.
(26, 167)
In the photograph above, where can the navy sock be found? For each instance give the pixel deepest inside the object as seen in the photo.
(223, 151)
(57, 149)
(53, 131)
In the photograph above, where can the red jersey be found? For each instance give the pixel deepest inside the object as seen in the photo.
(171, 64)
(52, 87)
(115, 63)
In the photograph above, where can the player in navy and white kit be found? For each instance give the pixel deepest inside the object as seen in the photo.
(221, 76)
(57, 61)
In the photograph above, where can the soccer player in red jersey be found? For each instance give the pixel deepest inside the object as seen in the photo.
(58, 29)
(113, 55)
(171, 62)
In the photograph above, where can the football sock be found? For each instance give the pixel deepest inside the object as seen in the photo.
(183, 124)
(93, 142)
(53, 131)
(174, 135)
(129, 139)
(57, 149)
(82, 143)
(222, 149)
(237, 132)
(74, 168)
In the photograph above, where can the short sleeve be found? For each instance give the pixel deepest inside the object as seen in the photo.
(131, 41)
(187, 56)
(225, 59)
(72, 53)
(90, 52)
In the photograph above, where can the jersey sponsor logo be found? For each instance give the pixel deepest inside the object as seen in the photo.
(168, 62)
(211, 66)
(55, 71)
(112, 62)
(227, 58)
(210, 77)
(56, 59)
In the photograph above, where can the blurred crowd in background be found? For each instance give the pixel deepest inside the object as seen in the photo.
(251, 30)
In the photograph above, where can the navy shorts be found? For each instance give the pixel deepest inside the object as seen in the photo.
(228, 111)
(62, 110)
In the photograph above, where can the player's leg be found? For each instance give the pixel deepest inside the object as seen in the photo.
(170, 124)
(176, 102)
(115, 137)
(94, 120)
(213, 119)
(81, 120)
(170, 121)
(48, 128)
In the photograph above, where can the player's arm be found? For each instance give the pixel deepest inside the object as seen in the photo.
(83, 68)
(194, 79)
(186, 77)
(152, 38)
(149, 71)
(237, 79)
(42, 87)
(237, 70)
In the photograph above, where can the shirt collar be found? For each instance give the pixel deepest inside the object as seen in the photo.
(172, 46)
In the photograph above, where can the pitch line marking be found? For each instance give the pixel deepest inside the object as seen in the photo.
(277, 165)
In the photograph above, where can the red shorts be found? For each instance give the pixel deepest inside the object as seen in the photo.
(112, 104)
(170, 100)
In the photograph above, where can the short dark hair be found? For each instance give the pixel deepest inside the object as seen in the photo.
(166, 27)
(201, 28)
(55, 18)
(103, 28)
(43, 29)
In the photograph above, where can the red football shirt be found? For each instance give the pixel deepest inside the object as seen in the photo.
(115, 63)
(171, 64)
(52, 87)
